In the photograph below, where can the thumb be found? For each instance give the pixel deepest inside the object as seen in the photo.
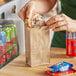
(29, 11)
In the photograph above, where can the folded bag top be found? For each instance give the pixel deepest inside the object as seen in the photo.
(35, 21)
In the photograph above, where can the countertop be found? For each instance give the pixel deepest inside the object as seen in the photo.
(18, 66)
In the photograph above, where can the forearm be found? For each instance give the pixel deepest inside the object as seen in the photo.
(44, 6)
(53, 2)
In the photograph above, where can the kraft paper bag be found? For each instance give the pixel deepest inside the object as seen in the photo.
(37, 46)
(37, 41)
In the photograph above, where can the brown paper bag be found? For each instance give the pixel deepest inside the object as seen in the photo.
(37, 46)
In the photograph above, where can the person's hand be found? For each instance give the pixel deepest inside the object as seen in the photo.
(61, 23)
(26, 11)
(34, 6)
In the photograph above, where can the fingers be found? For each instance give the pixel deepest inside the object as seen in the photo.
(55, 19)
(22, 14)
(26, 11)
(58, 24)
(63, 28)
(29, 11)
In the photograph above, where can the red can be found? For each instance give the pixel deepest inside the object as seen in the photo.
(71, 44)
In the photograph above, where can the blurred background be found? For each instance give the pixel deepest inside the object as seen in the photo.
(8, 11)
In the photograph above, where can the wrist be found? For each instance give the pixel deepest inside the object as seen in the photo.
(74, 21)
(42, 6)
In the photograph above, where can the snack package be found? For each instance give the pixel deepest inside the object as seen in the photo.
(67, 73)
(8, 43)
(62, 66)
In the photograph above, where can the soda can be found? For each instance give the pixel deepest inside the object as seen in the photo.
(13, 42)
(2, 48)
(14, 39)
(9, 43)
(71, 44)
